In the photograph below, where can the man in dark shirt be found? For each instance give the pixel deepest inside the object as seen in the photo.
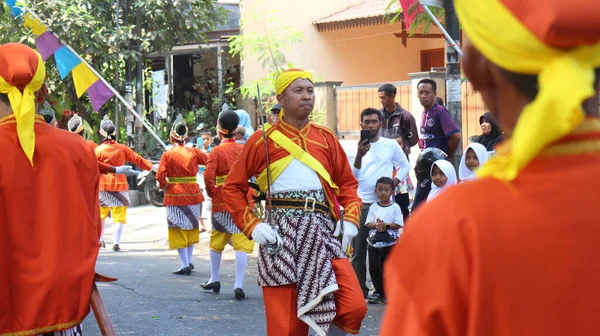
(438, 130)
(397, 122)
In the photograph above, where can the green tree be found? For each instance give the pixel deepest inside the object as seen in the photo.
(422, 20)
(267, 49)
(91, 28)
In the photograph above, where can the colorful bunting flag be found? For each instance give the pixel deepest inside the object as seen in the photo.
(410, 12)
(99, 94)
(83, 78)
(65, 61)
(13, 7)
(34, 24)
(47, 45)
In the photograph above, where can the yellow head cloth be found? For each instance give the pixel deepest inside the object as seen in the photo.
(565, 80)
(18, 63)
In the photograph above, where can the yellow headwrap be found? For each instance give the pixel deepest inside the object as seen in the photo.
(23, 106)
(287, 77)
(565, 80)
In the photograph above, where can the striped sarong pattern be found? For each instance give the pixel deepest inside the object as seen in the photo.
(304, 260)
(114, 198)
(185, 217)
(75, 331)
(222, 222)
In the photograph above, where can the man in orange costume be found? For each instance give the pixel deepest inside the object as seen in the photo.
(515, 252)
(183, 197)
(75, 125)
(114, 191)
(220, 161)
(47, 254)
(309, 282)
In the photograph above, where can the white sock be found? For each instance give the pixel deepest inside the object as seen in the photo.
(215, 263)
(190, 253)
(183, 255)
(241, 259)
(336, 331)
(118, 232)
(102, 231)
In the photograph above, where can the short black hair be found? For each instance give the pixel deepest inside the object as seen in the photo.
(388, 89)
(528, 84)
(209, 133)
(428, 81)
(4, 98)
(439, 100)
(385, 180)
(229, 120)
(181, 129)
(370, 111)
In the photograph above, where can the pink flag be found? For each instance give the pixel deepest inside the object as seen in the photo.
(99, 94)
(410, 13)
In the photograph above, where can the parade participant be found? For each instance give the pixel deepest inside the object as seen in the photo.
(75, 125)
(177, 175)
(48, 253)
(309, 282)
(245, 122)
(114, 191)
(512, 253)
(220, 161)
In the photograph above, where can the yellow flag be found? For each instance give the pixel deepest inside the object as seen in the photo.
(34, 24)
(83, 78)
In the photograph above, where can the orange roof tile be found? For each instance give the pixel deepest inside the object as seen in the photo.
(366, 10)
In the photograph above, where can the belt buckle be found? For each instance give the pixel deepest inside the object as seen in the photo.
(309, 208)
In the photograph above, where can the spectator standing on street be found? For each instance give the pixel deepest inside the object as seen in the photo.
(375, 158)
(491, 132)
(275, 111)
(438, 130)
(240, 133)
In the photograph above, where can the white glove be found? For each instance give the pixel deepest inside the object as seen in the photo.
(126, 170)
(263, 234)
(350, 231)
(155, 167)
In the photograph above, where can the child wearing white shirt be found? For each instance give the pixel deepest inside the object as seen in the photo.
(386, 222)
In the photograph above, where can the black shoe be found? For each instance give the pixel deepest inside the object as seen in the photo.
(214, 286)
(192, 266)
(239, 294)
(102, 244)
(183, 271)
(374, 299)
(116, 248)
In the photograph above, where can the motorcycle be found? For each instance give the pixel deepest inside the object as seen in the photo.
(154, 195)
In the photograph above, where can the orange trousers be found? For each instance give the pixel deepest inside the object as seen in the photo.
(282, 311)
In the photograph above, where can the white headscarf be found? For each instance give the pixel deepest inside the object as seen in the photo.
(465, 173)
(448, 169)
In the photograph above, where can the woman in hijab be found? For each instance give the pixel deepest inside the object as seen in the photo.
(474, 157)
(245, 123)
(491, 133)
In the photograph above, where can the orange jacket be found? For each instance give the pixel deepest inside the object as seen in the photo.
(316, 140)
(220, 161)
(116, 155)
(48, 250)
(177, 174)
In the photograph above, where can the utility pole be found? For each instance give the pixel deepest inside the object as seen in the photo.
(453, 89)
(117, 84)
(128, 79)
(139, 88)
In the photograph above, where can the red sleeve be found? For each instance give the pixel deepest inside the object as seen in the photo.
(236, 186)
(210, 172)
(201, 157)
(161, 174)
(342, 176)
(104, 167)
(136, 159)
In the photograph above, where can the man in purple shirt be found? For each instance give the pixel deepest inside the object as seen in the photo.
(438, 130)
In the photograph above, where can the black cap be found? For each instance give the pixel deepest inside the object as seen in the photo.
(276, 108)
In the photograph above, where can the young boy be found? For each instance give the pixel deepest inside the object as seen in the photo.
(385, 221)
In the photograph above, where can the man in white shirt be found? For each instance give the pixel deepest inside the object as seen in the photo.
(375, 158)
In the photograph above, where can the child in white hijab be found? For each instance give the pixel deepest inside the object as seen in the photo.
(474, 157)
(442, 176)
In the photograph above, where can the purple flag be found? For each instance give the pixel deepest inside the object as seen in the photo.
(47, 44)
(99, 94)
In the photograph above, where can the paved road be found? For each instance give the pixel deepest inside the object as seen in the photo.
(149, 300)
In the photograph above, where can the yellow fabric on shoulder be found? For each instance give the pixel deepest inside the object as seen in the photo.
(566, 79)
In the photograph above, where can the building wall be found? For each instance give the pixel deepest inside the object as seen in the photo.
(354, 56)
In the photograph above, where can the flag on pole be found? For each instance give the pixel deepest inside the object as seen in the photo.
(410, 9)
(47, 44)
